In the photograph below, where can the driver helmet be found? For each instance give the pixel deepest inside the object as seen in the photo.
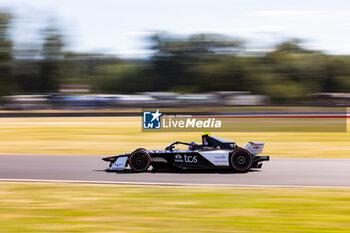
(193, 144)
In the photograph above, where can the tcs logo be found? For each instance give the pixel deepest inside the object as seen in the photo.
(190, 159)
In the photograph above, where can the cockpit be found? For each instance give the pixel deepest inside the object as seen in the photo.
(208, 143)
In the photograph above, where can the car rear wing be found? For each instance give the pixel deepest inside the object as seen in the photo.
(255, 147)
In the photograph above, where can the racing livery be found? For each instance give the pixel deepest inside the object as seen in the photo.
(214, 152)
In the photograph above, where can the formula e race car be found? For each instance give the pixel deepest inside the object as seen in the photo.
(214, 152)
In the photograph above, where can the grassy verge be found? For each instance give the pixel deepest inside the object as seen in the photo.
(26, 207)
(114, 135)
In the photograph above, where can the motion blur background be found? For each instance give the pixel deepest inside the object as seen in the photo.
(76, 54)
(113, 57)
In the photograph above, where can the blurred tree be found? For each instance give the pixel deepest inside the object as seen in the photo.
(195, 63)
(291, 46)
(6, 79)
(338, 69)
(342, 83)
(26, 69)
(52, 57)
(224, 73)
(91, 70)
(76, 68)
(211, 62)
(177, 61)
(127, 77)
(291, 72)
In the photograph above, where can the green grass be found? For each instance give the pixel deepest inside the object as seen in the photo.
(39, 207)
(114, 135)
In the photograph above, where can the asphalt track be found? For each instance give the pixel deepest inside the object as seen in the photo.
(278, 172)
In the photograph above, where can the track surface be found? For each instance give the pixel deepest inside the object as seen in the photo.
(276, 173)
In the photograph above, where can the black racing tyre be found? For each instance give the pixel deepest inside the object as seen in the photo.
(241, 160)
(139, 149)
(139, 161)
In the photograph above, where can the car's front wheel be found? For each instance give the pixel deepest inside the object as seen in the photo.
(241, 160)
(139, 161)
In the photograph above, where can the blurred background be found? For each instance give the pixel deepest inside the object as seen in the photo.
(106, 59)
(76, 55)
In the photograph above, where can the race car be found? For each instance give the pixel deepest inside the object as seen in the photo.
(213, 153)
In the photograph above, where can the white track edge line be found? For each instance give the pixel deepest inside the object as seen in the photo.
(174, 184)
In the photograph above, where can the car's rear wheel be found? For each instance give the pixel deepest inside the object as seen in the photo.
(139, 161)
(241, 160)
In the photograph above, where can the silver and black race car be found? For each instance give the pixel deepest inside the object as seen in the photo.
(214, 152)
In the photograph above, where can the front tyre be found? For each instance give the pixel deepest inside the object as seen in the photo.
(241, 160)
(139, 161)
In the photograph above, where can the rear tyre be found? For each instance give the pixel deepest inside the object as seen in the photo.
(241, 160)
(139, 160)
